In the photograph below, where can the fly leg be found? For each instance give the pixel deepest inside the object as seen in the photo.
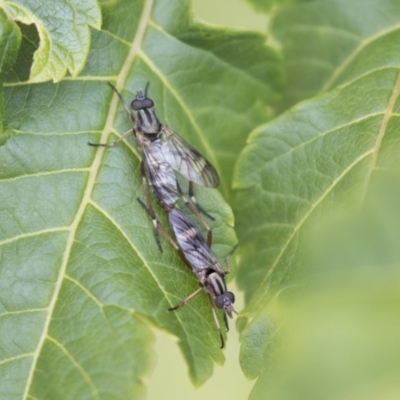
(195, 211)
(149, 208)
(217, 324)
(156, 225)
(198, 206)
(113, 143)
(226, 322)
(186, 299)
(210, 300)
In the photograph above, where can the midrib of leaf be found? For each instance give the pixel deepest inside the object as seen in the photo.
(89, 188)
(373, 152)
(342, 67)
(381, 134)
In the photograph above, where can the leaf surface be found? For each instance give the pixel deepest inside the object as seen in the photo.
(64, 30)
(326, 43)
(298, 166)
(339, 331)
(80, 268)
(10, 40)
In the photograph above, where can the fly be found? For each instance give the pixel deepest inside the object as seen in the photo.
(164, 152)
(197, 254)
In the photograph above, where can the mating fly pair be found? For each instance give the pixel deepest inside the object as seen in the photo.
(164, 152)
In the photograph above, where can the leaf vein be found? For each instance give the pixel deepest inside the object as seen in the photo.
(32, 234)
(392, 101)
(78, 366)
(364, 43)
(7, 360)
(309, 212)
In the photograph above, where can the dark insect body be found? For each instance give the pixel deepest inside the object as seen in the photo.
(197, 254)
(164, 152)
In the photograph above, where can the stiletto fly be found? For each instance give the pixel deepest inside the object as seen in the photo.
(198, 255)
(164, 152)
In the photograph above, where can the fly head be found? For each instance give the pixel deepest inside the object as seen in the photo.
(225, 301)
(142, 101)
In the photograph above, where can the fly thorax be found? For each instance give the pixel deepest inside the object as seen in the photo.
(147, 121)
(215, 283)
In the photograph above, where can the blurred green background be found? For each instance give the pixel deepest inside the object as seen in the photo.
(169, 379)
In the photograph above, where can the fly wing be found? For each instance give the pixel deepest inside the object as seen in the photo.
(191, 242)
(187, 160)
(160, 175)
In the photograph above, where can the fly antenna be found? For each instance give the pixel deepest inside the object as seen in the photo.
(120, 97)
(146, 89)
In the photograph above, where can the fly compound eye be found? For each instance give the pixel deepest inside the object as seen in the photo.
(147, 103)
(224, 300)
(139, 104)
(219, 301)
(231, 297)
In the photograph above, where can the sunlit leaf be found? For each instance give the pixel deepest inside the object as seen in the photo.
(10, 39)
(64, 30)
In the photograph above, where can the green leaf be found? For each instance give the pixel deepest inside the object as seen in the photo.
(328, 42)
(64, 30)
(298, 166)
(80, 270)
(10, 39)
(339, 332)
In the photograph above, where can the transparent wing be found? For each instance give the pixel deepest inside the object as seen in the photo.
(160, 174)
(187, 160)
(191, 242)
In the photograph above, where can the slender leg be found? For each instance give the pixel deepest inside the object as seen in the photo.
(198, 206)
(186, 299)
(113, 143)
(156, 225)
(226, 322)
(210, 300)
(149, 208)
(195, 211)
(159, 228)
(228, 256)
